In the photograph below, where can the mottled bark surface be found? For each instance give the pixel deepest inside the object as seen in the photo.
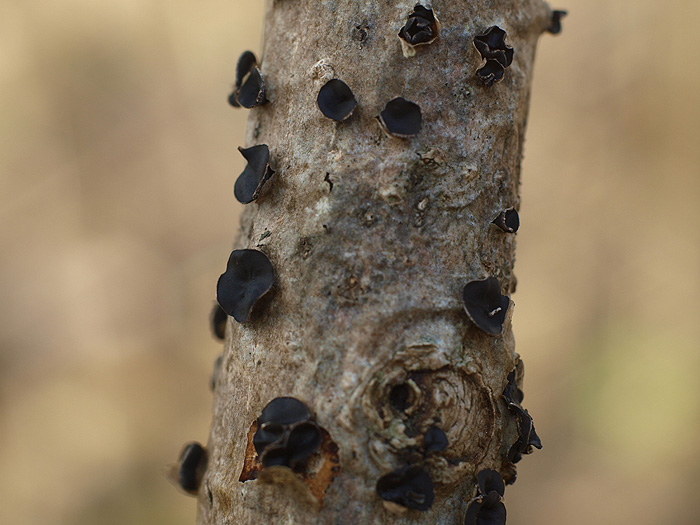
(372, 239)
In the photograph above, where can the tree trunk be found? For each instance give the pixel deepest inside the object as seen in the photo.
(373, 239)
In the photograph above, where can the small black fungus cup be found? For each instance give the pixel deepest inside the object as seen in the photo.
(408, 486)
(422, 27)
(485, 305)
(218, 319)
(246, 62)
(508, 220)
(249, 275)
(401, 118)
(498, 55)
(287, 434)
(335, 100)
(191, 467)
(256, 173)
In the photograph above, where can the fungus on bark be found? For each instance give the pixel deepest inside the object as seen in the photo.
(401, 118)
(218, 319)
(248, 276)
(508, 220)
(555, 25)
(286, 435)
(498, 55)
(434, 440)
(191, 467)
(527, 436)
(485, 305)
(249, 90)
(486, 510)
(335, 100)
(421, 28)
(256, 173)
(408, 486)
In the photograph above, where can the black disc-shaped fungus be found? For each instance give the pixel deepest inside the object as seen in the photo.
(408, 486)
(508, 220)
(512, 392)
(246, 62)
(486, 510)
(191, 467)
(252, 91)
(485, 305)
(489, 480)
(256, 173)
(335, 100)
(218, 319)
(555, 25)
(248, 276)
(286, 435)
(422, 27)
(498, 55)
(401, 118)
(434, 440)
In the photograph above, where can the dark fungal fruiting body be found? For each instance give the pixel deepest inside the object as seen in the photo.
(218, 319)
(434, 440)
(508, 220)
(256, 173)
(287, 434)
(421, 28)
(249, 275)
(528, 439)
(401, 118)
(408, 486)
(487, 508)
(252, 91)
(555, 25)
(485, 305)
(498, 55)
(246, 62)
(335, 100)
(191, 467)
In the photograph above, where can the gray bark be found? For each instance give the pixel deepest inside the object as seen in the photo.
(372, 239)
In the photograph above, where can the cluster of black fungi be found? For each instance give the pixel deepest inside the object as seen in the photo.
(287, 434)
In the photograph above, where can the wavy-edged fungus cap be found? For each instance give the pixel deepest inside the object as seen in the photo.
(489, 480)
(434, 440)
(409, 486)
(256, 173)
(527, 436)
(335, 100)
(401, 118)
(248, 276)
(508, 220)
(246, 62)
(218, 319)
(498, 55)
(512, 393)
(191, 467)
(252, 90)
(486, 510)
(286, 433)
(491, 73)
(555, 25)
(485, 305)
(422, 27)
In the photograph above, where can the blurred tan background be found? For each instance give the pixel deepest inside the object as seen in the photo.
(117, 160)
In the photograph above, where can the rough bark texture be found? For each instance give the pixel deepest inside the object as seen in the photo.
(372, 239)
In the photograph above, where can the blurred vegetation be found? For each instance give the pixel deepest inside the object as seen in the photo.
(117, 160)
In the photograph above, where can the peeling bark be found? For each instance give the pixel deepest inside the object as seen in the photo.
(373, 239)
